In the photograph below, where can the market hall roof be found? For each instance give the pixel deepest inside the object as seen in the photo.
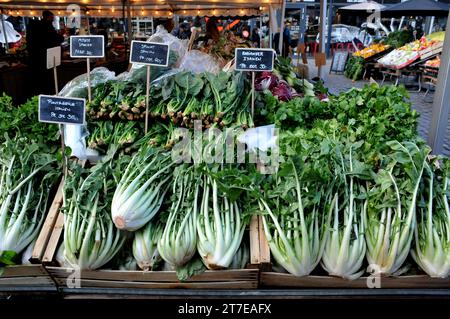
(156, 8)
(140, 3)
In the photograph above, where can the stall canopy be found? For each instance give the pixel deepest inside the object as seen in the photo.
(155, 8)
(417, 8)
(368, 6)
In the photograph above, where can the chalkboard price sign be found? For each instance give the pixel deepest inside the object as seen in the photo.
(339, 62)
(149, 53)
(255, 60)
(61, 110)
(87, 46)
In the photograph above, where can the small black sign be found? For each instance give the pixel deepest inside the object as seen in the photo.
(55, 109)
(254, 59)
(149, 53)
(339, 62)
(87, 46)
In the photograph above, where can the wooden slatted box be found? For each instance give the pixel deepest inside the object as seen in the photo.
(272, 279)
(34, 277)
(217, 279)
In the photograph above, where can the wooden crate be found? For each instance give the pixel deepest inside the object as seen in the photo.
(285, 280)
(34, 277)
(220, 279)
(26, 277)
(271, 279)
(44, 237)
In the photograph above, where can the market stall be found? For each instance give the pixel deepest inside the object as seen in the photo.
(405, 61)
(175, 182)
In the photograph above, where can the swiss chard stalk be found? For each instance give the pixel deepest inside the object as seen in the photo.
(26, 176)
(145, 249)
(141, 190)
(391, 216)
(242, 257)
(90, 238)
(178, 242)
(294, 223)
(432, 233)
(345, 247)
(220, 226)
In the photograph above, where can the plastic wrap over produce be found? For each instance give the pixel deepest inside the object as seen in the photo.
(199, 62)
(78, 86)
(75, 134)
(260, 138)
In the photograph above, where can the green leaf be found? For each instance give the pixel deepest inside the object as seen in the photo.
(192, 268)
(8, 257)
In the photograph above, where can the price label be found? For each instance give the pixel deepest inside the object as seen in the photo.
(149, 53)
(87, 46)
(256, 60)
(61, 110)
(53, 57)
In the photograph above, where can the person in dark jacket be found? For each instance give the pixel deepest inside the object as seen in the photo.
(256, 40)
(41, 35)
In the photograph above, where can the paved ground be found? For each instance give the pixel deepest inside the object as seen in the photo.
(423, 105)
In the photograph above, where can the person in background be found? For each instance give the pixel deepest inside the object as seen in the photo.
(245, 33)
(256, 40)
(212, 31)
(102, 29)
(185, 31)
(41, 35)
(286, 39)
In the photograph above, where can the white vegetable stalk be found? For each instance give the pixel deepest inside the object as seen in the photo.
(296, 241)
(60, 259)
(23, 204)
(141, 190)
(346, 247)
(145, 246)
(432, 234)
(178, 242)
(220, 227)
(28, 253)
(90, 238)
(390, 229)
(242, 257)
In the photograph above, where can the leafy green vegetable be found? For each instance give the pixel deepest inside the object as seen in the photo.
(192, 268)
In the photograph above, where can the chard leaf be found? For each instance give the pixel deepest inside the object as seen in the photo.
(194, 267)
